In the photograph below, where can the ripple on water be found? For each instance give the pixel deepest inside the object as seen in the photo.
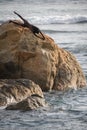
(66, 111)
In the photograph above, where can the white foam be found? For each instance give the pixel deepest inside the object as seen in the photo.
(66, 19)
(53, 19)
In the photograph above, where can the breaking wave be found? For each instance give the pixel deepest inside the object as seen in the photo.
(45, 20)
(58, 19)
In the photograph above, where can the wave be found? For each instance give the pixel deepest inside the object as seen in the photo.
(45, 20)
(58, 19)
(61, 31)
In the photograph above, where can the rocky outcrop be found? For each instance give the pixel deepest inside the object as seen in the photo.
(17, 90)
(23, 55)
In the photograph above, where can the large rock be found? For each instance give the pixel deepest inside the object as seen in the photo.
(23, 55)
(16, 90)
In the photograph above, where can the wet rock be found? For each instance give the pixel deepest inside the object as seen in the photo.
(16, 90)
(31, 103)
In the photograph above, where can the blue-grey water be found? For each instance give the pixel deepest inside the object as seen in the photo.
(66, 22)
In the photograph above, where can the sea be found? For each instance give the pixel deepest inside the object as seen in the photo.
(66, 22)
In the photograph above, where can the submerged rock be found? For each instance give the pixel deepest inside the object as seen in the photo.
(16, 90)
(23, 55)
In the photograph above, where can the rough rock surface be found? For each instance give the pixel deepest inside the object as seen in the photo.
(23, 55)
(30, 103)
(14, 91)
(69, 73)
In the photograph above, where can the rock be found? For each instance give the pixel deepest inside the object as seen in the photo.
(69, 72)
(31, 103)
(16, 90)
(23, 55)
(26, 56)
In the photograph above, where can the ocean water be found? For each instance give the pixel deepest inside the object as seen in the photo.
(66, 22)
